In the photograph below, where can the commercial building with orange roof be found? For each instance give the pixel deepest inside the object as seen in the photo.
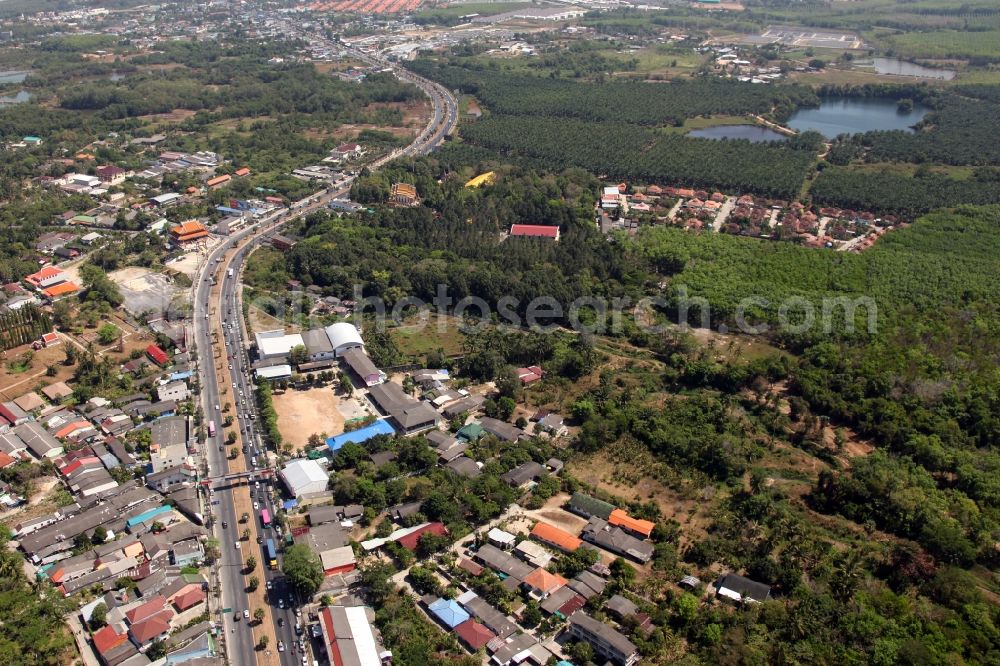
(46, 277)
(61, 290)
(637, 526)
(188, 231)
(218, 181)
(556, 537)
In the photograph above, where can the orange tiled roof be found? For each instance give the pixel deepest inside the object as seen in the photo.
(61, 289)
(555, 536)
(621, 518)
(540, 579)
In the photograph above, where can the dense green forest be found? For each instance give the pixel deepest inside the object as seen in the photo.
(631, 152)
(891, 192)
(633, 103)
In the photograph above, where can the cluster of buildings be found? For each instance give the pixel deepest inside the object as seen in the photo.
(135, 512)
(745, 215)
(522, 565)
(51, 283)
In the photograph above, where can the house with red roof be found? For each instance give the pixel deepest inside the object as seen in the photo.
(474, 635)
(50, 339)
(106, 639)
(535, 231)
(6, 460)
(541, 583)
(157, 355)
(530, 374)
(240, 173)
(150, 630)
(147, 610)
(189, 597)
(410, 541)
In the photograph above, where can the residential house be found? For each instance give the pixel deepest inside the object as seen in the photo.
(409, 414)
(616, 540)
(524, 474)
(556, 537)
(605, 640)
(738, 588)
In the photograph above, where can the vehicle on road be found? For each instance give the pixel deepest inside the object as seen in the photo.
(237, 545)
(246, 614)
(224, 524)
(272, 555)
(281, 646)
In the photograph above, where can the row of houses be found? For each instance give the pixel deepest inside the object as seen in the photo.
(521, 566)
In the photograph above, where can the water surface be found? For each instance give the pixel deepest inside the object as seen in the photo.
(754, 133)
(855, 115)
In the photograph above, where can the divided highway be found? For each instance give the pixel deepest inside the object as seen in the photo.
(225, 375)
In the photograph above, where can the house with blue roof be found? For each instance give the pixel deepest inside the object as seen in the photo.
(362, 435)
(448, 612)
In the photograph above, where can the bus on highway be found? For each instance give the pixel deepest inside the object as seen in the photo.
(272, 556)
(211, 428)
(265, 518)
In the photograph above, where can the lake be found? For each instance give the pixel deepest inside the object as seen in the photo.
(854, 115)
(754, 133)
(13, 77)
(19, 98)
(903, 68)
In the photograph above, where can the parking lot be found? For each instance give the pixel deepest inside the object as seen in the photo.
(806, 37)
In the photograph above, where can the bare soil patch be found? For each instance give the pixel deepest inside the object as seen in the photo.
(303, 413)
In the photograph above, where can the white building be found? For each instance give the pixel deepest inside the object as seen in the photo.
(344, 336)
(304, 476)
(275, 344)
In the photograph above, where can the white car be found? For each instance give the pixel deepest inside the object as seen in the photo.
(281, 603)
(237, 545)
(246, 614)
(256, 506)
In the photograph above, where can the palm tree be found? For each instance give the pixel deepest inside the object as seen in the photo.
(254, 583)
(251, 563)
(258, 615)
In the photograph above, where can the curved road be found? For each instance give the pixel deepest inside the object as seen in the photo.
(217, 315)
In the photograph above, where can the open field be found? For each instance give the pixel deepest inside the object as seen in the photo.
(145, 290)
(416, 338)
(303, 413)
(948, 44)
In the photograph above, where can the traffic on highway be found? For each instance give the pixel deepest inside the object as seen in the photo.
(241, 490)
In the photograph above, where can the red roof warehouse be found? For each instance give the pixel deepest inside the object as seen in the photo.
(157, 355)
(410, 541)
(536, 230)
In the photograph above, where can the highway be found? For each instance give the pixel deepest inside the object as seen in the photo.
(218, 319)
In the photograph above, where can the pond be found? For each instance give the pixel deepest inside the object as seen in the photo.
(903, 68)
(19, 98)
(13, 77)
(854, 115)
(754, 133)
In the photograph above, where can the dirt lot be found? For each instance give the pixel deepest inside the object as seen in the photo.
(690, 509)
(302, 413)
(145, 290)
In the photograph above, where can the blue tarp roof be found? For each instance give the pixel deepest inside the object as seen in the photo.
(380, 427)
(177, 376)
(449, 612)
(146, 515)
(290, 504)
(227, 209)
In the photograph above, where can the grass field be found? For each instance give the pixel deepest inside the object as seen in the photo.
(416, 338)
(481, 8)
(948, 44)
